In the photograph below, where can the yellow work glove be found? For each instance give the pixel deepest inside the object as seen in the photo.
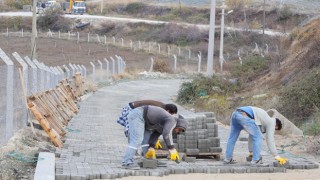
(174, 156)
(151, 154)
(158, 145)
(281, 160)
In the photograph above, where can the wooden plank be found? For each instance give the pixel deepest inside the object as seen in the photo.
(59, 110)
(61, 99)
(45, 125)
(53, 121)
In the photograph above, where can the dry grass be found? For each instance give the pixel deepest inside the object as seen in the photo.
(90, 86)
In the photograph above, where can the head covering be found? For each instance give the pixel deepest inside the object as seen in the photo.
(182, 123)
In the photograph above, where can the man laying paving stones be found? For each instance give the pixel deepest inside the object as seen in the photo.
(146, 124)
(123, 118)
(255, 121)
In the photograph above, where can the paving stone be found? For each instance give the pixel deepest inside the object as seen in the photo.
(149, 163)
(192, 151)
(213, 170)
(239, 170)
(157, 173)
(252, 169)
(215, 149)
(226, 170)
(179, 171)
(141, 173)
(189, 159)
(198, 170)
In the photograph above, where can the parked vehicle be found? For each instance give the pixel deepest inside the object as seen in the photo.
(74, 7)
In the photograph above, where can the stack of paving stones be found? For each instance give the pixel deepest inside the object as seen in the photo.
(201, 137)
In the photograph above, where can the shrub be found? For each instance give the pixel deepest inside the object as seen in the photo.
(284, 14)
(52, 19)
(204, 86)
(173, 33)
(301, 99)
(136, 7)
(251, 68)
(161, 66)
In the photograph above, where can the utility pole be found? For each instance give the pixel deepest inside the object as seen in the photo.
(221, 59)
(264, 20)
(211, 38)
(34, 30)
(101, 7)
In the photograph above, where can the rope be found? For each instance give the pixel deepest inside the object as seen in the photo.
(20, 157)
(73, 131)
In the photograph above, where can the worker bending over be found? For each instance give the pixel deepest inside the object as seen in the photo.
(146, 124)
(255, 121)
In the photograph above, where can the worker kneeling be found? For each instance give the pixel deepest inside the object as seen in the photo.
(147, 123)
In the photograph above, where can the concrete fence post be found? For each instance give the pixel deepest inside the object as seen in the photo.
(118, 64)
(122, 42)
(179, 51)
(199, 63)
(105, 39)
(88, 37)
(9, 96)
(175, 63)
(114, 40)
(168, 50)
(48, 77)
(62, 73)
(67, 71)
(159, 48)
(34, 77)
(78, 37)
(107, 69)
(98, 38)
(41, 75)
(24, 70)
(22, 32)
(100, 64)
(113, 65)
(84, 71)
(93, 71)
(151, 66)
(72, 70)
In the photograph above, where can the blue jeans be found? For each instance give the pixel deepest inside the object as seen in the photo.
(239, 122)
(136, 134)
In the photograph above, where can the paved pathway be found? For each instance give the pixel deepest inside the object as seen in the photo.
(95, 143)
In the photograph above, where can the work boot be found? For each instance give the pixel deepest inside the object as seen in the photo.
(256, 163)
(132, 166)
(230, 161)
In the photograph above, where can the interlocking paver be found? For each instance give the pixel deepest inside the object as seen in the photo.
(95, 143)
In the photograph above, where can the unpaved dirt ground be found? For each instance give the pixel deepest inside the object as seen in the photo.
(19, 156)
